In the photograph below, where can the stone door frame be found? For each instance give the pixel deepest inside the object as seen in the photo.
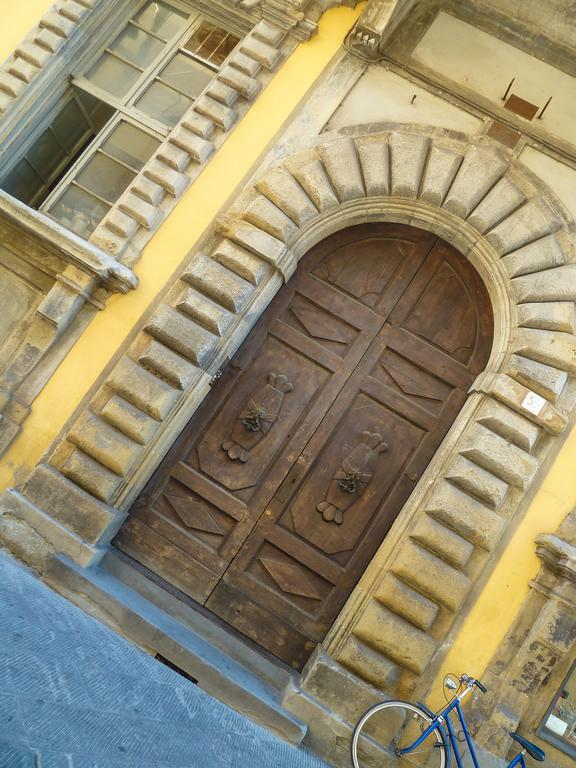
(468, 191)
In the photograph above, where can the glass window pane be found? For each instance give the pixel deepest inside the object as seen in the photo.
(137, 46)
(211, 43)
(131, 145)
(164, 104)
(161, 19)
(113, 76)
(99, 111)
(186, 75)
(559, 725)
(46, 154)
(105, 177)
(70, 126)
(79, 211)
(22, 182)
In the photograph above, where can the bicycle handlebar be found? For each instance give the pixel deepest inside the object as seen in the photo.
(470, 681)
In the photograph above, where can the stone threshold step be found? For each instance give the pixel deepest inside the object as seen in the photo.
(104, 596)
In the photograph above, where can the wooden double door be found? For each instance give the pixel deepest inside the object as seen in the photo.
(282, 486)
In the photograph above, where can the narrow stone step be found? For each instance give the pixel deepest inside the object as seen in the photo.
(150, 627)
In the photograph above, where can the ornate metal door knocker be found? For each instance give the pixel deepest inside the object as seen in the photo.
(258, 415)
(352, 477)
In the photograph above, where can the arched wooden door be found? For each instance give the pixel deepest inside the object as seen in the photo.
(282, 486)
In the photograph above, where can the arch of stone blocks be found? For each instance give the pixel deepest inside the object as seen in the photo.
(468, 191)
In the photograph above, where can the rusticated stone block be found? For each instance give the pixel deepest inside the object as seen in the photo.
(545, 380)
(548, 316)
(148, 190)
(240, 261)
(406, 602)
(244, 84)
(145, 213)
(479, 172)
(33, 53)
(374, 154)
(368, 665)
(477, 482)
(499, 456)
(168, 365)
(244, 63)
(205, 312)
(57, 24)
(91, 475)
(222, 93)
(465, 515)
(441, 170)
(264, 53)
(173, 181)
(198, 148)
(268, 32)
(23, 70)
(141, 388)
(442, 541)
(398, 640)
(221, 115)
(198, 124)
(182, 335)
(268, 217)
(408, 154)
(541, 254)
(341, 164)
(104, 443)
(260, 243)
(532, 221)
(129, 419)
(499, 203)
(218, 283)
(526, 402)
(77, 510)
(174, 157)
(281, 188)
(313, 178)
(548, 347)
(431, 576)
(510, 425)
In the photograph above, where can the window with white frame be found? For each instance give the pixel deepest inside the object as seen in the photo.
(117, 111)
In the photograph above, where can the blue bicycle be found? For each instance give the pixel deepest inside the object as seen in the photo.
(397, 733)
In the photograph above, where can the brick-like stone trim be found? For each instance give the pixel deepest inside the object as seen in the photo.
(469, 192)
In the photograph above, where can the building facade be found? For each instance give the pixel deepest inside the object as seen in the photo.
(289, 354)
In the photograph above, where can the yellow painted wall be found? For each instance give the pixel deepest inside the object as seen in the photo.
(17, 20)
(173, 241)
(508, 586)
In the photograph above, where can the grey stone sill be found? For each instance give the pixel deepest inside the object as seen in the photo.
(80, 253)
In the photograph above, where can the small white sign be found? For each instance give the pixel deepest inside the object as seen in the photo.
(556, 725)
(533, 403)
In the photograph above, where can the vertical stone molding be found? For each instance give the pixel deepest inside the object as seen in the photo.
(467, 191)
(529, 667)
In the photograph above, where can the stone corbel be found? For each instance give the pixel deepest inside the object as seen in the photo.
(367, 35)
(87, 271)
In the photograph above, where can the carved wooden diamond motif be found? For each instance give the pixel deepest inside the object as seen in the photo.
(194, 514)
(290, 578)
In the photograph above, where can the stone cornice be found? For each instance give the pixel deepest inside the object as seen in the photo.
(558, 555)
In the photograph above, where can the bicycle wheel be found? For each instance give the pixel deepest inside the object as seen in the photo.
(391, 726)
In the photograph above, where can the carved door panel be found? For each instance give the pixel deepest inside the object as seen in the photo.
(278, 492)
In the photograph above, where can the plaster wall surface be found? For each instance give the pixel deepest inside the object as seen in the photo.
(482, 63)
(381, 95)
(559, 177)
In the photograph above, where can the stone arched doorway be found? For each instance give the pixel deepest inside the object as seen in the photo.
(281, 488)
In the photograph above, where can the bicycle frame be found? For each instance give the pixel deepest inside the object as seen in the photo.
(444, 718)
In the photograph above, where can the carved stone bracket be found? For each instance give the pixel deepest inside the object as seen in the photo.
(377, 21)
(528, 668)
(80, 271)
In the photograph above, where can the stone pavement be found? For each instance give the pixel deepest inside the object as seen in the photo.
(73, 694)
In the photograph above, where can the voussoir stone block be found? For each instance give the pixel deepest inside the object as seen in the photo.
(558, 284)
(442, 541)
(374, 155)
(91, 475)
(282, 189)
(129, 419)
(549, 347)
(205, 312)
(549, 316)
(476, 481)
(170, 366)
(408, 154)
(313, 178)
(342, 165)
(499, 203)
(441, 170)
(479, 172)
(523, 400)
(368, 664)
(267, 216)
(509, 424)
(533, 220)
(545, 380)
(542, 254)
